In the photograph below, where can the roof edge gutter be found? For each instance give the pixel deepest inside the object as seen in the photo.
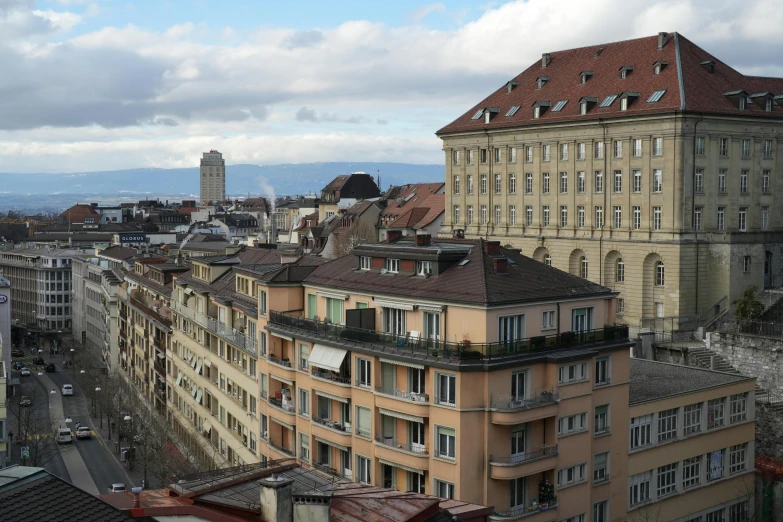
(679, 70)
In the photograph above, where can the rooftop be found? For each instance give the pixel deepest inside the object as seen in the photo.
(651, 380)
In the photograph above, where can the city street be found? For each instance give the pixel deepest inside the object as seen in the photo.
(87, 463)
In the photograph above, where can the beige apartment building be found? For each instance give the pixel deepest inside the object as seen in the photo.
(648, 166)
(212, 179)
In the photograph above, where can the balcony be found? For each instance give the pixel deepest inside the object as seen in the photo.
(332, 431)
(330, 376)
(235, 337)
(539, 513)
(287, 407)
(464, 353)
(405, 402)
(281, 450)
(402, 452)
(510, 409)
(523, 464)
(285, 363)
(324, 468)
(343, 428)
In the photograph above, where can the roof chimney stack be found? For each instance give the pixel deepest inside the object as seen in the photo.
(545, 58)
(136, 497)
(276, 499)
(312, 507)
(661, 40)
(492, 247)
(500, 265)
(423, 239)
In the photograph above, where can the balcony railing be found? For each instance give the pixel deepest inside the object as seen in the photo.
(464, 352)
(278, 403)
(534, 400)
(279, 362)
(543, 451)
(282, 449)
(411, 396)
(331, 424)
(392, 442)
(321, 374)
(235, 337)
(522, 512)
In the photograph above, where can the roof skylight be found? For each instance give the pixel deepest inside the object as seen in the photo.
(608, 100)
(559, 106)
(657, 95)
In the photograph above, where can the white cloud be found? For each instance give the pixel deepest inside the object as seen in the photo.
(112, 93)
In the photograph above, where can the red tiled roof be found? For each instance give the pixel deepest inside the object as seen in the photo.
(78, 212)
(703, 91)
(437, 203)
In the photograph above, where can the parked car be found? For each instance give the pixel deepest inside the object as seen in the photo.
(17, 353)
(25, 372)
(64, 436)
(38, 360)
(16, 365)
(119, 487)
(50, 368)
(83, 432)
(67, 389)
(25, 401)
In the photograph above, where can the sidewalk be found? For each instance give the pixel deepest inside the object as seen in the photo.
(134, 476)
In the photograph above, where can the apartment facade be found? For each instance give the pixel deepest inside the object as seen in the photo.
(212, 179)
(647, 166)
(691, 444)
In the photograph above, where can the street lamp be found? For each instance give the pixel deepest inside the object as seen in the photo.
(73, 356)
(128, 418)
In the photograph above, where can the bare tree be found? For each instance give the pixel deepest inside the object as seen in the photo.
(358, 233)
(36, 430)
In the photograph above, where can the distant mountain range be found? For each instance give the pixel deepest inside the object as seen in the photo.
(285, 179)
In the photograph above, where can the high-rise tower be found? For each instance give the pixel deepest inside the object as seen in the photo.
(213, 177)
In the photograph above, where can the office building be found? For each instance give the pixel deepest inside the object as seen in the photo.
(212, 178)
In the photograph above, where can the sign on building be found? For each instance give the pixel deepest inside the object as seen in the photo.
(132, 238)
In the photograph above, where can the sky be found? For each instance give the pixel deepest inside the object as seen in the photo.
(92, 85)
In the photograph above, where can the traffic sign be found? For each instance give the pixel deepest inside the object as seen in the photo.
(25, 452)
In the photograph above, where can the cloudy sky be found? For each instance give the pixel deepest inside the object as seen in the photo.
(104, 84)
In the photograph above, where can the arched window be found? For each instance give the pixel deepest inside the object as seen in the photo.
(659, 273)
(548, 260)
(583, 267)
(620, 273)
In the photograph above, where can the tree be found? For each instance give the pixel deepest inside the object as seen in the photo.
(747, 307)
(349, 238)
(36, 430)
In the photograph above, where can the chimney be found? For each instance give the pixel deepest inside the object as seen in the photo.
(276, 501)
(492, 247)
(661, 40)
(136, 497)
(500, 264)
(312, 507)
(393, 235)
(545, 59)
(423, 239)
(178, 259)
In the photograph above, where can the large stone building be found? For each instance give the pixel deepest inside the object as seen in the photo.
(212, 177)
(648, 166)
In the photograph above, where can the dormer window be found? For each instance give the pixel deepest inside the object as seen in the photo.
(540, 108)
(627, 99)
(658, 67)
(392, 265)
(510, 86)
(489, 113)
(625, 71)
(585, 104)
(738, 98)
(768, 105)
(709, 65)
(423, 268)
(584, 76)
(365, 262)
(541, 81)
(764, 100)
(742, 102)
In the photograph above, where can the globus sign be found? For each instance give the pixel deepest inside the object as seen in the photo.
(3, 299)
(132, 238)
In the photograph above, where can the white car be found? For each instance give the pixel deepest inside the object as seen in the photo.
(67, 389)
(64, 436)
(117, 487)
(25, 372)
(83, 432)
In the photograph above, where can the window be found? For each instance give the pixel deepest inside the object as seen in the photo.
(580, 151)
(528, 215)
(518, 487)
(456, 184)
(365, 262)
(261, 302)
(765, 181)
(601, 419)
(746, 148)
(512, 111)
(743, 219)
(564, 182)
(618, 217)
(599, 181)
(618, 180)
(691, 418)
(304, 402)
(512, 183)
(698, 183)
(667, 479)
(746, 264)
(511, 328)
(601, 467)
(470, 184)
(637, 148)
(620, 306)
(575, 518)
(546, 215)
(572, 372)
(528, 183)
(528, 154)
(497, 214)
(598, 149)
(392, 265)
(393, 321)
(764, 218)
(304, 447)
(304, 356)
(657, 146)
(583, 104)
(637, 218)
(744, 181)
(363, 372)
(363, 423)
(609, 100)
(721, 218)
(548, 320)
(563, 151)
(363, 470)
(446, 442)
(637, 180)
(738, 512)
(580, 216)
(714, 516)
(657, 180)
(447, 389)
(563, 216)
(700, 145)
(656, 218)
(667, 425)
(659, 310)
(537, 109)
(580, 182)
(697, 218)
(497, 155)
(512, 215)
(483, 183)
(571, 475)
(470, 157)
(512, 154)
(715, 465)
(767, 148)
(583, 266)
(548, 260)
(639, 488)
(484, 217)
(456, 214)
(601, 511)
(546, 152)
(624, 101)
(618, 149)
(545, 188)
(334, 310)
(724, 147)
(641, 431)
(601, 371)
(714, 413)
(470, 214)
(444, 489)
(738, 408)
(571, 424)
(599, 217)
(737, 455)
(691, 472)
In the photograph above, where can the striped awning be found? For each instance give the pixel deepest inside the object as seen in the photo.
(332, 444)
(333, 295)
(330, 396)
(402, 363)
(283, 424)
(290, 383)
(406, 468)
(285, 337)
(433, 308)
(394, 304)
(398, 415)
(327, 357)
